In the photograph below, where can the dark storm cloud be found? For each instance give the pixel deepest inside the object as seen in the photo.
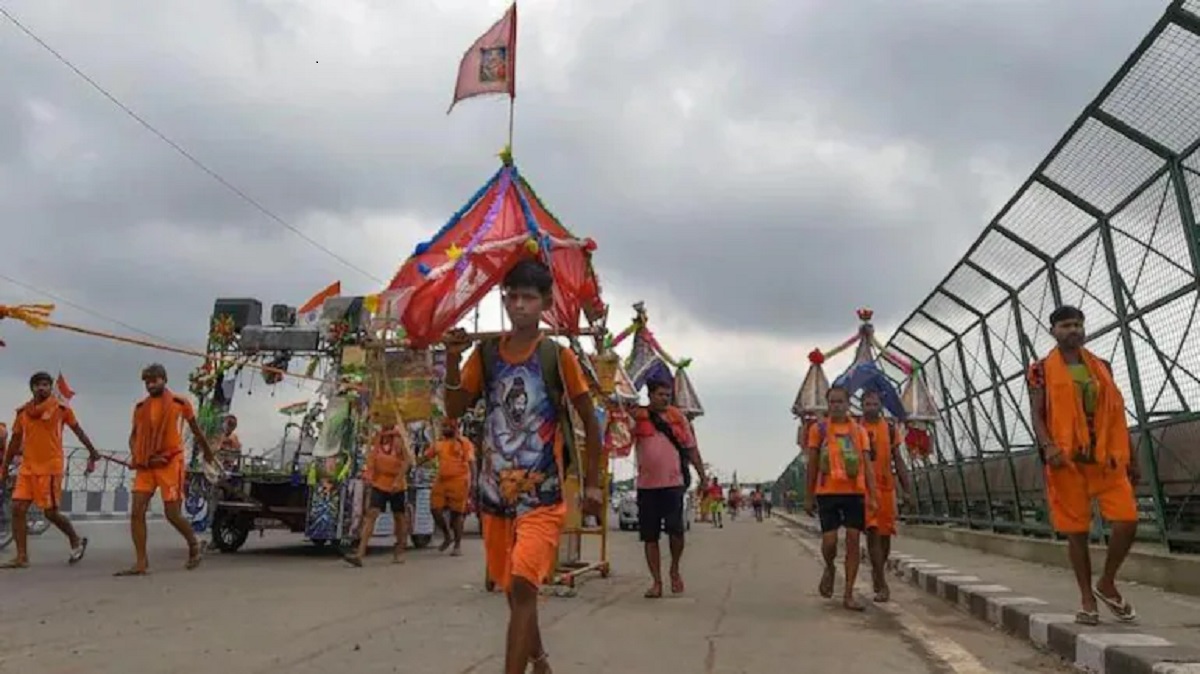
(775, 163)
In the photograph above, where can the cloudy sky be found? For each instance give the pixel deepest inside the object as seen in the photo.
(754, 170)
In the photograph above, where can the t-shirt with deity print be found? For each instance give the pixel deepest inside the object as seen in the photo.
(522, 440)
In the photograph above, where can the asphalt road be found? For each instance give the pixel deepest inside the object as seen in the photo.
(281, 605)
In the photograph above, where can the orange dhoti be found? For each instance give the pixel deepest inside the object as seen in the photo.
(450, 494)
(168, 479)
(1072, 488)
(524, 547)
(883, 519)
(43, 491)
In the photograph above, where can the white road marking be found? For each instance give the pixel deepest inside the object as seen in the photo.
(941, 647)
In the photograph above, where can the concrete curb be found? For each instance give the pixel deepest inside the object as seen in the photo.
(1104, 649)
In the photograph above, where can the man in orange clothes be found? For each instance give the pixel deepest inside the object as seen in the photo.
(229, 446)
(1079, 421)
(37, 438)
(387, 472)
(885, 456)
(527, 382)
(157, 451)
(843, 483)
(456, 463)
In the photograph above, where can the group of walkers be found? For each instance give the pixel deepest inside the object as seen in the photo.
(1079, 423)
(714, 503)
(156, 450)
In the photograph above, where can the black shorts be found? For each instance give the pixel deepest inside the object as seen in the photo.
(659, 507)
(842, 511)
(381, 500)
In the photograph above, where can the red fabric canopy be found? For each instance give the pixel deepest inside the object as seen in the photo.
(446, 277)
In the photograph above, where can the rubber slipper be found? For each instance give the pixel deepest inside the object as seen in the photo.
(353, 560)
(131, 572)
(78, 553)
(195, 556)
(883, 596)
(851, 604)
(827, 578)
(677, 584)
(1121, 609)
(14, 564)
(1087, 617)
(655, 592)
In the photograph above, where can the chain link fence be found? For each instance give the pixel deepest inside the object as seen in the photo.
(1106, 222)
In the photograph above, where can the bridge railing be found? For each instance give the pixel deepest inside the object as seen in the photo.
(1107, 222)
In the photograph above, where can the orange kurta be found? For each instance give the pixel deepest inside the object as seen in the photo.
(40, 429)
(1085, 415)
(883, 440)
(158, 449)
(841, 438)
(455, 457)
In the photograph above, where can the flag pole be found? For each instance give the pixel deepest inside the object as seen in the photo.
(512, 94)
(512, 100)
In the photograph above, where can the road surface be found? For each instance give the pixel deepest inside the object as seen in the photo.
(279, 605)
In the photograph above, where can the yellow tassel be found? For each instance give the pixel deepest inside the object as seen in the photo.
(36, 316)
(532, 245)
(454, 252)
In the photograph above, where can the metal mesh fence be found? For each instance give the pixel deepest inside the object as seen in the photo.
(1107, 222)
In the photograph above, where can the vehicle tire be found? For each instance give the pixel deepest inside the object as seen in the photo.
(420, 541)
(229, 533)
(320, 543)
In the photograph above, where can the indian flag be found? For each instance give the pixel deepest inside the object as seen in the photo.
(310, 312)
(294, 409)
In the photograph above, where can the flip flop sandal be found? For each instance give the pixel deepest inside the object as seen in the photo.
(1087, 617)
(851, 604)
(655, 592)
(131, 572)
(78, 553)
(883, 596)
(827, 579)
(194, 558)
(540, 662)
(14, 564)
(456, 552)
(677, 584)
(1121, 609)
(353, 560)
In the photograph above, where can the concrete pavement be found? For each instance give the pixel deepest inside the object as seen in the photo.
(280, 605)
(1037, 602)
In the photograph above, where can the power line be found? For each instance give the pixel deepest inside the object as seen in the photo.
(184, 153)
(91, 312)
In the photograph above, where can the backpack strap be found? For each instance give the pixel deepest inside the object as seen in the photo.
(549, 355)
(489, 358)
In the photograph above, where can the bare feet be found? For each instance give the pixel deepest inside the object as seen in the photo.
(852, 604)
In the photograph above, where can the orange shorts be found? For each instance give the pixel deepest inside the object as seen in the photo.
(1071, 489)
(44, 491)
(169, 479)
(883, 519)
(525, 547)
(450, 495)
